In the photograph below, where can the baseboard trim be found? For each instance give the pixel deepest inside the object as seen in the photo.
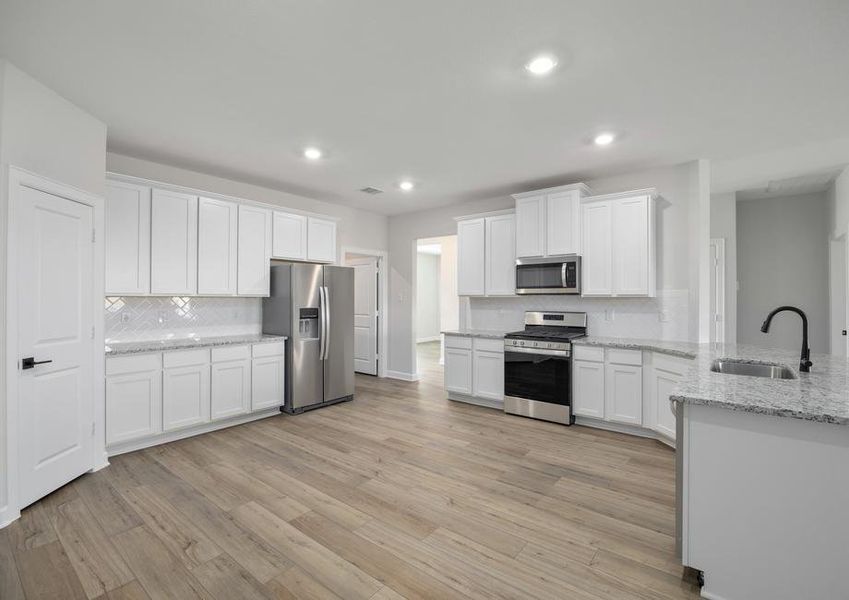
(173, 436)
(403, 376)
(485, 402)
(8, 516)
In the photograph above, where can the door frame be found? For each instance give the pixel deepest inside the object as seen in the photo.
(382, 257)
(17, 180)
(718, 273)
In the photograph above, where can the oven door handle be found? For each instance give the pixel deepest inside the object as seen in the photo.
(538, 351)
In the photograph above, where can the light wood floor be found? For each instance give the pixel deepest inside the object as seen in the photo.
(400, 493)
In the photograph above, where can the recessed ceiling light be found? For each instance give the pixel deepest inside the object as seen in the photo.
(603, 139)
(406, 185)
(541, 65)
(312, 153)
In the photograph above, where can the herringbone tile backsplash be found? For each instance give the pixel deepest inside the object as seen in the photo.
(131, 318)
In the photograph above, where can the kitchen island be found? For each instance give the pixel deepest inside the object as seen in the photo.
(763, 474)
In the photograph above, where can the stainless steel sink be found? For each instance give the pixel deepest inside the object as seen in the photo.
(736, 367)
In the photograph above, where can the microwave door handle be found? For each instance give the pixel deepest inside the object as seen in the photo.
(563, 274)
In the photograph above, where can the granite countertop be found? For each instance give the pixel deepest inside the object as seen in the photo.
(479, 333)
(120, 348)
(680, 349)
(821, 395)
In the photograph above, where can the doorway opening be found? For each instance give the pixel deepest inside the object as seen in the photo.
(437, 304)
(370, 319)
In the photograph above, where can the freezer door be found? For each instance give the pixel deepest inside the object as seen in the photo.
(304, 376)
(339, 343)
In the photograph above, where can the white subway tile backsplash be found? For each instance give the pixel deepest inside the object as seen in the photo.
(131, 318)
(663, 318)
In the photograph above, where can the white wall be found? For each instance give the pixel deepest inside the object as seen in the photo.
(782, 258)
(449, 302)
(677, 249)
(723, 224)
(43, 133)
(427, 297)
(356, 228)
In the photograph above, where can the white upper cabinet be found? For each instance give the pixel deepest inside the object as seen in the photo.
(173, 243)
(548, 221)
(563, 223)
(254, 250)
(530, 225)
(217, 247)
(500, 257)
(321, 240)
(619, 244)
(471, 257)
(290, 236)
(127, 239)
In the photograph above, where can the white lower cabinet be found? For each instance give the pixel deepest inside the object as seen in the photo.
(474, 368)
(667, 372)
(185, 389)
(151, 395)
(623, 394)
(588, 388)
(268, 376)
(230, 382)
(133, 397)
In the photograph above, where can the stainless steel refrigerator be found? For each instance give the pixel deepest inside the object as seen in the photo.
(314, 306)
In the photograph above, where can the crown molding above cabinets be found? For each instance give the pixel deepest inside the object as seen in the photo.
(170, 240)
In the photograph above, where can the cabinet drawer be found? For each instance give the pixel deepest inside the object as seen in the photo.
(226, 353)
(619, 356)
(590, 353)
(136, 363)
(489, 345)
(186, 358)
(269, 349)
(458, 341)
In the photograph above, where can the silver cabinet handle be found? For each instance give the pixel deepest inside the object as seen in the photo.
(327, 318)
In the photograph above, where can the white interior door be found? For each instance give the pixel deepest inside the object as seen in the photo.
(365, 315)
(55, 324)
(717, 290)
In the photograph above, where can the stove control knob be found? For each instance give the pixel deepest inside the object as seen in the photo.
(521, 343)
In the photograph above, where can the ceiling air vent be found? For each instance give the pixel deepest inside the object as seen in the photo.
(371, 190)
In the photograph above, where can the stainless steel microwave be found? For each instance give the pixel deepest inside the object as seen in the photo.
(549, 275)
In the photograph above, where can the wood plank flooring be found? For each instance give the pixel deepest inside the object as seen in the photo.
(399, 494)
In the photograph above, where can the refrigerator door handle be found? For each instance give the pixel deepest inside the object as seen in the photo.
(327, 319)
(322, 309)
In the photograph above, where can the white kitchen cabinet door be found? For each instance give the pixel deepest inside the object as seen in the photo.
(267, 382)
(664, 417)
(630, 253)
(230, 388)
(588, 389)
(217, 247)
(623, 391)
(174, 243)
(488, 378)
(254, 250)
(458, 370)
(127, 239)
(596, 257)
(321, 240)
(289, 236)
(530, 226)
(185, 396)
(471, 257)
(133, 406)
(563, 223)
(500, 255)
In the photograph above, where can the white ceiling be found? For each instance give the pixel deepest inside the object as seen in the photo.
(435, 90)
(814, 183)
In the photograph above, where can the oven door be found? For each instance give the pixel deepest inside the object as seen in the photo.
(552, 275)
(539, 375)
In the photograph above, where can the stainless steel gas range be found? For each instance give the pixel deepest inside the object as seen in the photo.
(538, 366)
